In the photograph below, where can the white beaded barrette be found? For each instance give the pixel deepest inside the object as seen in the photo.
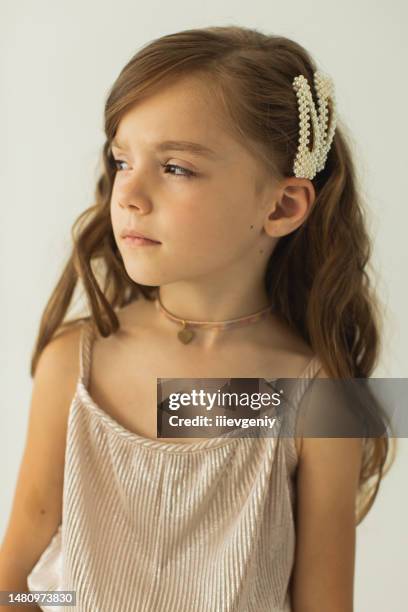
(308, 162)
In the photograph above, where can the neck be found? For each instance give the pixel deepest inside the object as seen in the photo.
(198, 307)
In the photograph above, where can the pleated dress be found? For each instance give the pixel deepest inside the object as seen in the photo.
(155, 526)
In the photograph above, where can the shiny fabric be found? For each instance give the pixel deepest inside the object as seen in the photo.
(153, 526)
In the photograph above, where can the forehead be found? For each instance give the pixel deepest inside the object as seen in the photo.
(182, 111)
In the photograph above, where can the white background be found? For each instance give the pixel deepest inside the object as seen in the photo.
(58, 60)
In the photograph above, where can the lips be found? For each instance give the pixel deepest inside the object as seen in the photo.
(134, 234)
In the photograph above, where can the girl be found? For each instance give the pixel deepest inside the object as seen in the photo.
(222, 151)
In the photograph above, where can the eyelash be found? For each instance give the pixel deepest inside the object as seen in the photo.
(188, 173)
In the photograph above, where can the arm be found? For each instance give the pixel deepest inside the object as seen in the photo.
(327, 484)
(37, 505)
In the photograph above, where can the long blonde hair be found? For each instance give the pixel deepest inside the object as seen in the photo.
(316, 276)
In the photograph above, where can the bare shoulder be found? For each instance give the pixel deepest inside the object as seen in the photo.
(37, 504)
(323, 406)
(320, 374)
(286, 338)
(134, 319)
(327, 485)
(58, 364)
(57, 371)
(63, 349)
(334, 457)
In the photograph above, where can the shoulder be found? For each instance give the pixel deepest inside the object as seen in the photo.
(325, 405)
(136, 322)
(327, 484)
(56, 377)
(62, 351)
(58, 367)
(54, 383)
(330, 458)
(37, 504)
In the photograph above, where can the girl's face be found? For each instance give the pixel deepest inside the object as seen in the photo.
(200, 204)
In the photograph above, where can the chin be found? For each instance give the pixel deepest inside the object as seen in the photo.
(149, 278)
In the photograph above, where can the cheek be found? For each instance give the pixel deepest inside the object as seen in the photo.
(118, 222)
(196, 225)
(212, 225)
(114, 217)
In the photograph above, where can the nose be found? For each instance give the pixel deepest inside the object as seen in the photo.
(132, 191)
(141, 204)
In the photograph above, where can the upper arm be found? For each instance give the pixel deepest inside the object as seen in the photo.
(37, 504)
(327, 484)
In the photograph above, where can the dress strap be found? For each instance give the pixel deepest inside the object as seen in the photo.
(294, 397)
(305, 378)
(312, 368)
(85, 348)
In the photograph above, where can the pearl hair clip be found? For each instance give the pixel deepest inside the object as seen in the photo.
(308, 162)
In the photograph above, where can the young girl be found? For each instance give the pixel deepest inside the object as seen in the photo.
(223, 150)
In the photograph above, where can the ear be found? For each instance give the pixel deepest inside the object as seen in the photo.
(291, 206)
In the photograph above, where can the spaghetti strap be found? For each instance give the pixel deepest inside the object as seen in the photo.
(312, 368)
(304, 380)
(85, 347)
(295, 393)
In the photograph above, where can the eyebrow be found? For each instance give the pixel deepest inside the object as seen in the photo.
(178, 145)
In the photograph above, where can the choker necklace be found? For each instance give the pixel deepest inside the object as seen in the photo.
(185, 335)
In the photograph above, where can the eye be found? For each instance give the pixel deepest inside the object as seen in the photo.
(118, 161)
(168, 169)
(187, 173)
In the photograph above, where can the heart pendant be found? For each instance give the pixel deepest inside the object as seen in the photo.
(185, 335)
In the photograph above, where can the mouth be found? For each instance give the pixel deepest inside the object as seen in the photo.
(139, 241)
(132, 237)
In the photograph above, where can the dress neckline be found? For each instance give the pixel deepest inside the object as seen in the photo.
(150, 443)
(82, 392)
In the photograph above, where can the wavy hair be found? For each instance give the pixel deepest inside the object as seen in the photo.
(317, 276)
